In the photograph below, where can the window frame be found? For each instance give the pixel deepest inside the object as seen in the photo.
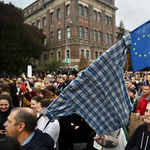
(86, 34)
(59, 34)
(52, 36)
(80, 10)
(68, 10)
(85, 12)
(80, 32)
(95, 15)
(44, 22)
(95, 35)
(58, 13)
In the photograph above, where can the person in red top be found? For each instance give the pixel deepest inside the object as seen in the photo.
(143, 102)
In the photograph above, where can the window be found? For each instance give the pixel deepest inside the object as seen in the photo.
(85, 12)
(82, 52)
(39, 4)
(99, 36)
(52, 17)
(95, 15)
(100, 53)
(68, 32)
(81, 32)
(44, 58)
(28, 11)
(59, 55)
(58, 14)
(96, 55)
(110, 39)
(51, 55)
(45, 41)
(52, 36)
(86, 33)
(24, 13)
(44, 22)
(59, 34)
(106, 37)
(68, 54)
(33, 24)
(80, 10)
(38, 24)
(87, 55)
(33, 8)
(110, 21)
(67, 10)
(106, 20)
(44, 1)
(110, 2)
(99, 17)
(95, 35)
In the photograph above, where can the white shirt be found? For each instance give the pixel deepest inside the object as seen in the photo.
(53, 128)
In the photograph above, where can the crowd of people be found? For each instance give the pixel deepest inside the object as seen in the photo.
(22, 99)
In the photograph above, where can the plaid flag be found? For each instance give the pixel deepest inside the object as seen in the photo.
(98, 94)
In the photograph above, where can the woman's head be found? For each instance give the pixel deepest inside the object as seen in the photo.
(45, 94)
(44, 103)
(34, 102)
(52, 89)
(12, 88)
(38, 85)
(5, 101)
(132, 92)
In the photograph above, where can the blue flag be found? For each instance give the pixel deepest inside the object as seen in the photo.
(140, 51)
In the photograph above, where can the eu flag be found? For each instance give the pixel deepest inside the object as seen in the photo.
(140, 51)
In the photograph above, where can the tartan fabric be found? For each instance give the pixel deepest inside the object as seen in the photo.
(98, 94)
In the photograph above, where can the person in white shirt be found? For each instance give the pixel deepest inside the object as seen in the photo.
(44, 124)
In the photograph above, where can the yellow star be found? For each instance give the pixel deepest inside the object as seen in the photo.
(136, 53)
(143, 35)
(133, 48)
(134, 43)
(149, 52)
(145, 55)
(148, 35)
(139, 55)
(138, 38)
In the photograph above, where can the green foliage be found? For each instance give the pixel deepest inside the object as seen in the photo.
(18, 41)
(120, 31)
(50, 65)
(83, 64)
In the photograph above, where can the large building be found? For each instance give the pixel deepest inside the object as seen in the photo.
(88, 26)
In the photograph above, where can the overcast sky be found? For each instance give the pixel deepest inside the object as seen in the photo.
(133, 13)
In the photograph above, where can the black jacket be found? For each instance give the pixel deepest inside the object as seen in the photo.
(40, 139)
(140, 139)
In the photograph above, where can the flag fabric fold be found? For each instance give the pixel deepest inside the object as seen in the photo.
(140, 51)
(98, 94)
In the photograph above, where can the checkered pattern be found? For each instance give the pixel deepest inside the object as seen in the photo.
(98, 94)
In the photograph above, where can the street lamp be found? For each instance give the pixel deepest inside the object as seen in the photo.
(70, 22)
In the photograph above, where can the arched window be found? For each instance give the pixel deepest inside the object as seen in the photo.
(85, 11)
(59, 34)
(106, 20)
(52, 17)
(81, 32)
(110, 39)
(51, 55)
(99, 36)
(95, 15)
(68, 32)
(87, 55)
(38, 24)
(82, 51)
(107, 38)
(58, 14)
(100, 53)
(99, 17)
(67, 10)
(44, 22)
(80, 10)
(110, 21)
(96, 55)
(95, 35)
(52, 36)
(59, 56)
(86, 33)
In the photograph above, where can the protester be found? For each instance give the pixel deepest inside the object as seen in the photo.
(62, 84)
(45, 93)
(9, 143)
(53, 91)
(5, 108)
(44, 124)
(21, 124)
(140, 138)
(143, 102)
(140, 92)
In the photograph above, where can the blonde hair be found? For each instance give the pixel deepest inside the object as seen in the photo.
(39, 86)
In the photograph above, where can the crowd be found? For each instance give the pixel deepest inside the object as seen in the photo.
(22, 99)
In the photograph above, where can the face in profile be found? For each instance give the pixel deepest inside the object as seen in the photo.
(4, 105)
(34, 105)
(147, 114)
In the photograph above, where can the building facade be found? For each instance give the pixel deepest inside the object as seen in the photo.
(88, 26)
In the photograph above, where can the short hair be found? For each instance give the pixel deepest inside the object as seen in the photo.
(45, 102)
(49, 80)
(128, 80)
(37, 98)
(140, 84)
(148, 85)
(27, 117)
(9, 143)
(4, 87)
(132, 90)
(6, 96)
(12, 88)
(51, 88)
(46, 93)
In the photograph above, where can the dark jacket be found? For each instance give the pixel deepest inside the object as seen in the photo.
(140, 139)
(40, 139)
(15, 99)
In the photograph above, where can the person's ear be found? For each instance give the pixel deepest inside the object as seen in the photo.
(21, 126)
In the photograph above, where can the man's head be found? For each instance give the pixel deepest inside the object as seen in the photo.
(148, 78)
(71, 78)
(48, 82)
(147, 114)
(65, 77)
(128, 83)
(141, 85)
(61, 80)
(20, 121)
(147, 90)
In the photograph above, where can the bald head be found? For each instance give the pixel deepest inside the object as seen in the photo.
(27, 116)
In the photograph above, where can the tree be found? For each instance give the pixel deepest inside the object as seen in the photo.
(50, 65)
(82, 63)
(120, 31)
(19, 42)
